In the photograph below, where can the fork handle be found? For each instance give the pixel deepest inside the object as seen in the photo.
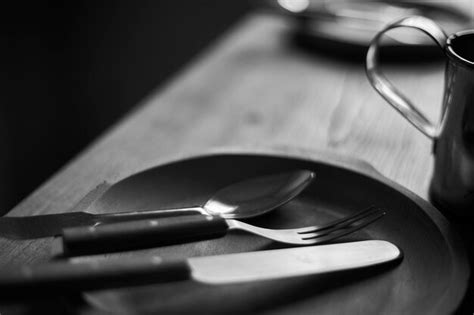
(140, 234)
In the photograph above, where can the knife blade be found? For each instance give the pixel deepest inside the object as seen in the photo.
(212, 270)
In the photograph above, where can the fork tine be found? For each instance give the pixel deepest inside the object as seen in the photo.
(347, 224)
(343, 221)
(342, 232)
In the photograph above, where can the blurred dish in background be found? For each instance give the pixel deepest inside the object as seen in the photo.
(347, 26)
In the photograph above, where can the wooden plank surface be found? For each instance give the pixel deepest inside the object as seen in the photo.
(252, 88)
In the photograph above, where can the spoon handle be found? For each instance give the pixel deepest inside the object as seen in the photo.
(140, 234)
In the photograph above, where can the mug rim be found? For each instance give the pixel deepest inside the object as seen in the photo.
(450, 51)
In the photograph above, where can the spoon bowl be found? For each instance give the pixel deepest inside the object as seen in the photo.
(258, 195)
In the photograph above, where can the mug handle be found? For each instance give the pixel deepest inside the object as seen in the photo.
(385, 88)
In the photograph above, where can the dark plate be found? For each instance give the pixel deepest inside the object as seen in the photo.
(431, 279)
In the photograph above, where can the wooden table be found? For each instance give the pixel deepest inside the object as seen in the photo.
(253, 88)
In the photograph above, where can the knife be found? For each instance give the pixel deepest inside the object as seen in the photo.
(61, 276)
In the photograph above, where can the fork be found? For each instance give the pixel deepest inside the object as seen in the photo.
(122, 236)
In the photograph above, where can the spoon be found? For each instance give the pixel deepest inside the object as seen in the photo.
(244, 199)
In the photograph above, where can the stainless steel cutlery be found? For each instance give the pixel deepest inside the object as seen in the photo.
(85, 233)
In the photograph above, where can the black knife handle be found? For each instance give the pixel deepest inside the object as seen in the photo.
(63, 276)
(139, 234)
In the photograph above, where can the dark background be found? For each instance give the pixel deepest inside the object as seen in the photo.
(71, 69)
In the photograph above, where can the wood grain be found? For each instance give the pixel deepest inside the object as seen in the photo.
(253, 88)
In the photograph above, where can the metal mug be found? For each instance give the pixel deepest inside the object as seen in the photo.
(452, 184)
